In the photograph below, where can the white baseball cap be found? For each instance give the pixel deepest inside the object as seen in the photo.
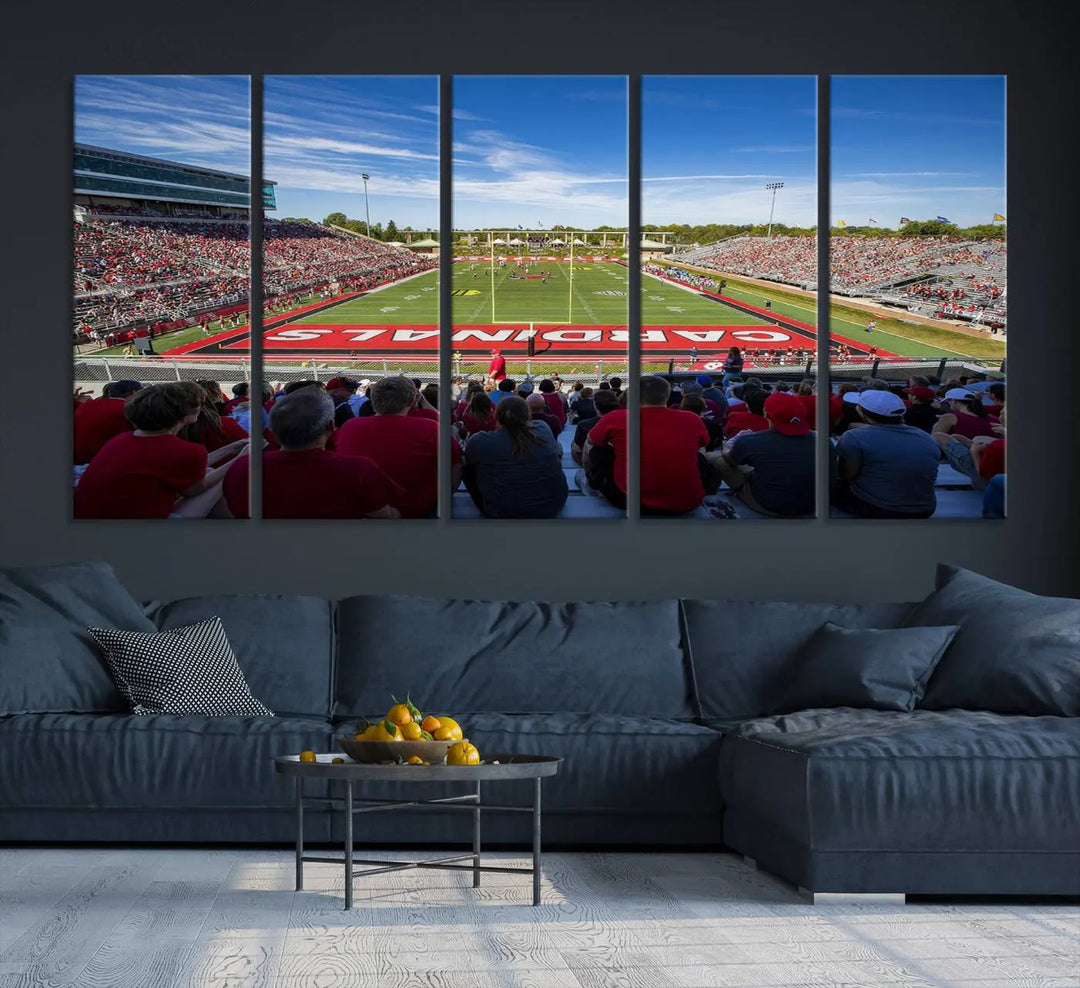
(958, 394)
(881, 402)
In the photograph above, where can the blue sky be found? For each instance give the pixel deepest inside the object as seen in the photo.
(918, 146)
(710, 144)
(531, 150)
(321, 133)
(198, 120)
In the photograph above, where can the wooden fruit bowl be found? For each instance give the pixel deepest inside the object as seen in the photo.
(394, 751)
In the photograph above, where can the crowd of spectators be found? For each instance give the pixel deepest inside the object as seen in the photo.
(139, 269)
(858, 264)
(355, 448)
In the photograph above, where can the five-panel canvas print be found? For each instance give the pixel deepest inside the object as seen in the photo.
(397, 366)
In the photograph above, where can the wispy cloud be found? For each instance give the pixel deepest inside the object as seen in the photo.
(910, 174)
(199, 120)
(701, 178)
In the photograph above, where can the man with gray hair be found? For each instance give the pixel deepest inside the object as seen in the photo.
(304, 479)
(404, 446)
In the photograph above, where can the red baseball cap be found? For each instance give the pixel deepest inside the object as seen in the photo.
(495, 350)
(787, 414)
(921, 392)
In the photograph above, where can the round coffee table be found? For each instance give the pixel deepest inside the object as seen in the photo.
(535, 767)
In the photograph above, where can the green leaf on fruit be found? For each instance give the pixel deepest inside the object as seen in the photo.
(391, 728)
(424, 736)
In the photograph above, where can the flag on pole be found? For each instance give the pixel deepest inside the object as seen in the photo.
(904, 221)
(942, 219)
(840, 223)
(998, 217)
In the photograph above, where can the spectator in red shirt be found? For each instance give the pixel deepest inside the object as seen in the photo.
(995, 400)
(479, 416)
(303, 479)
(403, 447)
(240, 395)
(497, 367)
(981, 458)
(749, 416)
(211, 429)
(150, 472)
(964, 415)
(98, 420)
(470, 389)
(671, 440)
(538, 410)
(554, 399)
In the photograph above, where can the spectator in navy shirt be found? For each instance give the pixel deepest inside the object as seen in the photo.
(886, 469)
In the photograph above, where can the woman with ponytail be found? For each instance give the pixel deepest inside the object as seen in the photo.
(515, 471)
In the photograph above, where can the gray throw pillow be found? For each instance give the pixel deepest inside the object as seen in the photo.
(883, 669)
(48, 661)
(190, 670)
(1015, 653)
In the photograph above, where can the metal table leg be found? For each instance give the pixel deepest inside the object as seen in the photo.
(536, 841)
(476, 840)
(348, 844)
(299, 833)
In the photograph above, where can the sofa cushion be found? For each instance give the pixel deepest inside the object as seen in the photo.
(611, 762)
(159, 762)
(742, 652)
(1015, 653)
(864, 667)
(284, 643)
(189, 670)
(459, 656)
(867, 780)
(48, 661)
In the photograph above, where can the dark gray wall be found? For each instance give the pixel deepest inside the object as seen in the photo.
(45, 46)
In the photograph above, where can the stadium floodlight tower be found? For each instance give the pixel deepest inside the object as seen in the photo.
(774, 186)
(367, 212)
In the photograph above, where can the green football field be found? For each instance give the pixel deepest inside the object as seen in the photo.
(595, 295)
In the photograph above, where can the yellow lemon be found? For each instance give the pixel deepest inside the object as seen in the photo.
(308, 756)
(411, 731)
(399, 714)
(416, 760)
(449, 730)
(385, 730)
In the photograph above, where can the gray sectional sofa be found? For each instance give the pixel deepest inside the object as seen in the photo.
(664, 711)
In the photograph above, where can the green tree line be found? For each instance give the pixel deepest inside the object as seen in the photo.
(708, 233)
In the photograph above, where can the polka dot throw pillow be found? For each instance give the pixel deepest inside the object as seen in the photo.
(189, 670)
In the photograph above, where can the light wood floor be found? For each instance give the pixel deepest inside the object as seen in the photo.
(158, 918)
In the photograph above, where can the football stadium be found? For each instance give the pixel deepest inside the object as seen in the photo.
(161, 280)
(167, 281)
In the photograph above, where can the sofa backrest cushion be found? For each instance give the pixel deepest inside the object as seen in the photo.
(284, 644)
(472, 656)
(1015, 653)
(48, 661)
(742, 652)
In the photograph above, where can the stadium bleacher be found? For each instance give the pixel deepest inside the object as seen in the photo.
(902, 271)
(137, 268)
